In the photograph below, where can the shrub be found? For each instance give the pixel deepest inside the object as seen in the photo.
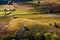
(27, 35)
(13, 39)
(6, 37)
(48, 36)
(26, 39)
(38, 36)
(15, 36)
(54, 37)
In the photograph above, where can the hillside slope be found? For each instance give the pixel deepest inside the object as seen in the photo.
(18, 24)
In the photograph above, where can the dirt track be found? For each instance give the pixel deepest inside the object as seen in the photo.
(23, 6)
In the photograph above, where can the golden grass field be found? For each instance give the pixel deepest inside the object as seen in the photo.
(33, 22)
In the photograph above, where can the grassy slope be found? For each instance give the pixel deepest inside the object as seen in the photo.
(31, 24)
(39, 19)
(33, 17)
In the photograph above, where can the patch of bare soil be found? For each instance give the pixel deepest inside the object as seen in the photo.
(23, 6)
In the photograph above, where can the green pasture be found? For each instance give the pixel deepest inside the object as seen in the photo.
(24, 12)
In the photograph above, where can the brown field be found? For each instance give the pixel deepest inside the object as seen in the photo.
(41, 21)
(33, 22)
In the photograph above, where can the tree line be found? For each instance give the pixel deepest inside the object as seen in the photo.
(6, 1)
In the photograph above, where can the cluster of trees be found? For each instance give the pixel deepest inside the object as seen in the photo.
(3, 2)
(30, 36)
(21, 0)
(7, 1)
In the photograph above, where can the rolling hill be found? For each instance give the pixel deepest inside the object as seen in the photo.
(18, 24)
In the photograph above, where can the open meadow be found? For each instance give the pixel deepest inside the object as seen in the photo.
(26, 15)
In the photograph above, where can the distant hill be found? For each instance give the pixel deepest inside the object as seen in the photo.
(56, 1)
